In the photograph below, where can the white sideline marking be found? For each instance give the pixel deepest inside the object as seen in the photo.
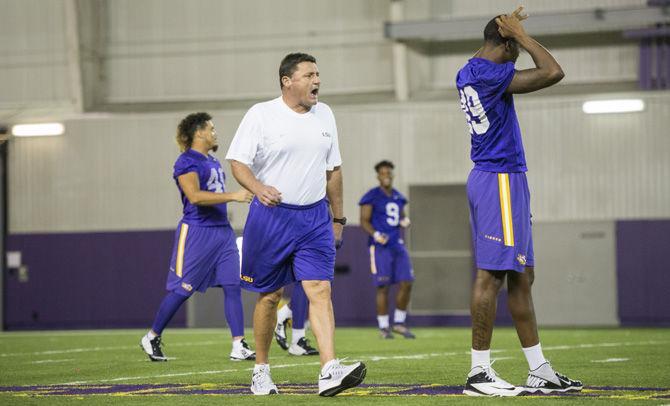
(50, 361)
(611, 360)
(370, 358)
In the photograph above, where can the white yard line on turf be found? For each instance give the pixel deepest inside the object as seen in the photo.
(370, 358)
(611, 360)
(89, 349)
(50, 361)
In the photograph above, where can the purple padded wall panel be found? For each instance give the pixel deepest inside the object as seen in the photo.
(88, 280)
(643, 272)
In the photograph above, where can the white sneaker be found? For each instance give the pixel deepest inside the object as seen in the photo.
(152, 347)
(483, 381)
(261, 381)
(242, 352)
(338, 377)
(544, 379)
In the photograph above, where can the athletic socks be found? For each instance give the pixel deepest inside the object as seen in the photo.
(232, 305)
(299, 306)
(166, 311)
(297, 334)
(534, 356)
(480, 358)
(399, 316)
(383, 321)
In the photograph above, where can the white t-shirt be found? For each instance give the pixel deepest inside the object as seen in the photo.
(288, 150)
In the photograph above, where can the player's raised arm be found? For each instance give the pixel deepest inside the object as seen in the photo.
(190, 185)
(547, 71)
(267, 195)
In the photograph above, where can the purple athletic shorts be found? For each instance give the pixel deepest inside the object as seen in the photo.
(390, 264)
(500, 220)
(203, 257)
(287, 243)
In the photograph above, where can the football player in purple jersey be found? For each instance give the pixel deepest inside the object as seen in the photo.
(382, 215)
(499, 201)
(204, 253)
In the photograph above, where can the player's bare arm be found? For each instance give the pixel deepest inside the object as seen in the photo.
(334, 189)
(366, 223)
(268, 195)
(190, 184)
(547, 71)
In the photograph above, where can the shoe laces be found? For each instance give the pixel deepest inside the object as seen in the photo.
(490, 372)
(156, 344)
(262, 377)
(337, 368)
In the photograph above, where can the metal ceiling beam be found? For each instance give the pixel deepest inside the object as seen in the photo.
(581, 22)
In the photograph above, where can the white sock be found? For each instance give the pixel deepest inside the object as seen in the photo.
(151, 335)
(260, 367)
(383, 321)
(237, 343)
(297, 334)
(399, 316)
(283, 314)
(534, 356)
(480, 358)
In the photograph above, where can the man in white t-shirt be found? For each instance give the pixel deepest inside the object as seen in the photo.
(286, 153)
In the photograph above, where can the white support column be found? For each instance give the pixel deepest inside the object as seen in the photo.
(73, 55)
(400, 74)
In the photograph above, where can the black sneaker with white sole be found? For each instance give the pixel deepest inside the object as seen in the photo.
(280, 334)
(545, 380)
(242, 352)
(302, 347)
(152, 347)
(483, 381)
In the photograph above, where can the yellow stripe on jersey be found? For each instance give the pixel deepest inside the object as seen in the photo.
(180, 249)
(373, 264)
(506, 209)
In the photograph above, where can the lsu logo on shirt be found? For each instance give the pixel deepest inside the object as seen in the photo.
(521, 259)
(186, 286)
(246, 278)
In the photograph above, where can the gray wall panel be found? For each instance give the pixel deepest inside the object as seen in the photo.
(115, 173)
(33, 69)
(575, 274)
(232, 49)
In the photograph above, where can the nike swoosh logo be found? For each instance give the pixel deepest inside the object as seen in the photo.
(329, 376)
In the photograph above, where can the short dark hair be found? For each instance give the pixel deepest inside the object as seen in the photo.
(290, 63)
(491, 33)
(384, 164)
(187, 128)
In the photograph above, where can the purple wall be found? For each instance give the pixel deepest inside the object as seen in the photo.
(88, 280)
(643, 272)
(116, 279)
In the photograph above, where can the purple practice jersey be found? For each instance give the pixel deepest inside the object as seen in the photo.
(494, 128)
(386, 212)
(211, 179)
